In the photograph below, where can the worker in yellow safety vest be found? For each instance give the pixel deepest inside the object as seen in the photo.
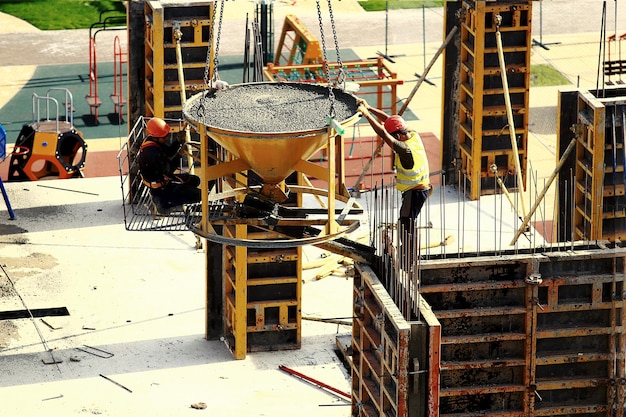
(411, 162)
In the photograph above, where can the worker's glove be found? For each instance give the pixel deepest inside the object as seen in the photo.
(221, 85)
(363, 110)
(361, 102)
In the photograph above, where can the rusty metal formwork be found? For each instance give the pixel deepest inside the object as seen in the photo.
(517, 334)
(591, 187)
(394, 361)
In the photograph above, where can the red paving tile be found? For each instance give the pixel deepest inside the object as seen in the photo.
(98, 164)
(359, 153)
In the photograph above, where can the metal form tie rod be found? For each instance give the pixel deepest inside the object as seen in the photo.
(32, 319)
(314, 381)
(183, 96)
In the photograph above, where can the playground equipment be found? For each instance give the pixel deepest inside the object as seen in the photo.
(615, 66)
(105, 23)
(297, 45)
(48, 147)
(120, 59)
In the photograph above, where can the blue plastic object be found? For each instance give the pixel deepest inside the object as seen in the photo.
(3, 142)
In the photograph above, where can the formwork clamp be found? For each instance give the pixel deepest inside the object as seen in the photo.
(534, 279)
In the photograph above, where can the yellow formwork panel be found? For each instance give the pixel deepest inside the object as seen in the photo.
(592, 204)
(484, 138)
(162, 86)
(46, 144)
(262, 289)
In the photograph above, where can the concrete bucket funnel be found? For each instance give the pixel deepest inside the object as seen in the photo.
(270, 127)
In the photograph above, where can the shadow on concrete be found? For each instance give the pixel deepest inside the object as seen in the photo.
(138, 356)
(61, 217)
(542, 120)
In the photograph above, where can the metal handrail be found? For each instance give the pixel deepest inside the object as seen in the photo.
(37, 103)
(69, 103)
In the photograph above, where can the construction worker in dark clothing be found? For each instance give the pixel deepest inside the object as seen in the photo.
(157, 163)
(411, 164)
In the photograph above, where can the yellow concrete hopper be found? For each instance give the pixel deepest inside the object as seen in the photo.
(270, 127)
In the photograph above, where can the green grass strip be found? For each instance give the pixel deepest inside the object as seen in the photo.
(545, 75)
(62, 14)
(378, 5)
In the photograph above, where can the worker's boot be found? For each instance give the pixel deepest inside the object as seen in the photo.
(159, 210)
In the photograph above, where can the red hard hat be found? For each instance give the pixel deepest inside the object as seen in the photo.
(157, 128)
(395, 123)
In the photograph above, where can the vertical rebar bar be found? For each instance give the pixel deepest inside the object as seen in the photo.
(442, 217)
(463, 208)
(478, 231)
(495, 211)
(501, 217)
(573, 185)
(565, 217)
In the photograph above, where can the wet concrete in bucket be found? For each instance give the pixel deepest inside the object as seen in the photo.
(269, 107)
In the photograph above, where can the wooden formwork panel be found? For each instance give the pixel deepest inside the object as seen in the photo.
(484, 138)
(530, 335)
(262, 297)
(592, 200)
(162, 85)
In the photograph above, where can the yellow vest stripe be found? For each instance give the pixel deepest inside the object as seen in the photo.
(418, 175)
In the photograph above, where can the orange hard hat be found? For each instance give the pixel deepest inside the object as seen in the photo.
(395, 123)
(157, 128)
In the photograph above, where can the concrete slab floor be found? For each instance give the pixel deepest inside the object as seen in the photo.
(137, 296)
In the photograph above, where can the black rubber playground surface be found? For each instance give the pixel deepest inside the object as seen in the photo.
(20, 110)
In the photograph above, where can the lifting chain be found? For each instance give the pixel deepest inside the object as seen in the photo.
(216, 61)
(331, 94)
(341, 76)
(217, 44)
(207, 66)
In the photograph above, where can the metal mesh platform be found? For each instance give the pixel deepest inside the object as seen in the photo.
(140, 213)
